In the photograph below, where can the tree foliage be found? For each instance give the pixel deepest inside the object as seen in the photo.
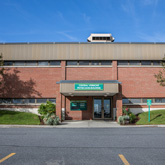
(161, 74)
(1, 68)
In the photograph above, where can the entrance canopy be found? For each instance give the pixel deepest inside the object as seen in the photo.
(89, 87)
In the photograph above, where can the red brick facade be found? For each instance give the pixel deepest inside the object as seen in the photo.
(41, 82)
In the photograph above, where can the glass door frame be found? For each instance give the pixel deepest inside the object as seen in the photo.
(102, 111)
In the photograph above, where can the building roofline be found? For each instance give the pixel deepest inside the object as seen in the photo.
(18, 43)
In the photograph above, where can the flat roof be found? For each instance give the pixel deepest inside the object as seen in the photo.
(10, 43)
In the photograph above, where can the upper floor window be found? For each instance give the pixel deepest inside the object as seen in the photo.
(95, 63)
(83, 62)
(72, 62)
(146, 62)
(41, 63)
(55, 63)
(32, 63)
(89, 63)
(19, 63)
(134, 62)
(8, 63)
(138, 63)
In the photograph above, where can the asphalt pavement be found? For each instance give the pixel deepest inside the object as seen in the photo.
(76, 146)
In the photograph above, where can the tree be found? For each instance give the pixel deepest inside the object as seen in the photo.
(161, 75)
(1, 68)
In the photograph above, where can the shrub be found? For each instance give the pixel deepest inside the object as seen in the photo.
(132, 117)
(126, 110)
(49, 107)
(122, 119)
(48, 111)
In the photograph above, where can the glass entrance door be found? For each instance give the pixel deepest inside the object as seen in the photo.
(102, 108)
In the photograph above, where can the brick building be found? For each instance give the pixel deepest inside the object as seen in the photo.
(85, 80)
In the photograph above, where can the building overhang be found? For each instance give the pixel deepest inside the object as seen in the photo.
(101, 87)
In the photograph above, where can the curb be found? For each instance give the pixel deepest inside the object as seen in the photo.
(61, 126)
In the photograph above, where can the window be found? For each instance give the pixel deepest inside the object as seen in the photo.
(41, 100)
(145, 100)
(83, 62)
(78, 105)
(31, 63)
(95, 63)
(158, 100)
(52, 100)
(55, 62)
(106, 62)
(134, 62)
(29, 101)
(71, 62)
(122, 62)
(8, 63)
(156, 63)
(6, 101)
(43, 63)
(135, 100)
(146, 62)
(19, 63)
(125, 101)
(17, 101)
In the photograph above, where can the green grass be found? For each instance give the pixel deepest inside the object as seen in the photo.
(156, 117)
(19, 118)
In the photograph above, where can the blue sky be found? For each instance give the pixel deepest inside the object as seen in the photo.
(75, 20)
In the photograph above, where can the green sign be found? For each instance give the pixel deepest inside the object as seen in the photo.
(78, 105)
(88, 87)
(149, 102)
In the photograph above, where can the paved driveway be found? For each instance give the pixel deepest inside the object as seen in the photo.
(76, 146)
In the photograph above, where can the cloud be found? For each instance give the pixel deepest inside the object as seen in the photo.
(129, 8)
(155, 37)
(86, 18)
(150, 2)
(68, 36)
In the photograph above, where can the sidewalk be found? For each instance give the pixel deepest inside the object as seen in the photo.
(82, 124)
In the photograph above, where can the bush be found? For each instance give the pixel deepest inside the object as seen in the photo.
(49, 107)
(122, 119)
(48, 112)
(127, 112)
(132, 117)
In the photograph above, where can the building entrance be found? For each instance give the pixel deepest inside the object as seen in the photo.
(102, 108)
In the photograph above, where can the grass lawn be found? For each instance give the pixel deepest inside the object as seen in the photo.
(20, 118)
(156, 117)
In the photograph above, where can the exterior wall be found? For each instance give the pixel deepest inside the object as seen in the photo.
(79, 115)
(29, 82)
(40, 82)
(89, 73)
(140, 82)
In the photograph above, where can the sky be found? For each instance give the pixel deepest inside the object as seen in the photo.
(75, 20)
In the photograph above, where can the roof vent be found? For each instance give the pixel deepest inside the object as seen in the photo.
(100, 38)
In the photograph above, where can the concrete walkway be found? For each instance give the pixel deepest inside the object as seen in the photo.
(89, 124)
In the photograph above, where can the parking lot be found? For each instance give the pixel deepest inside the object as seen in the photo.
(62, 146)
